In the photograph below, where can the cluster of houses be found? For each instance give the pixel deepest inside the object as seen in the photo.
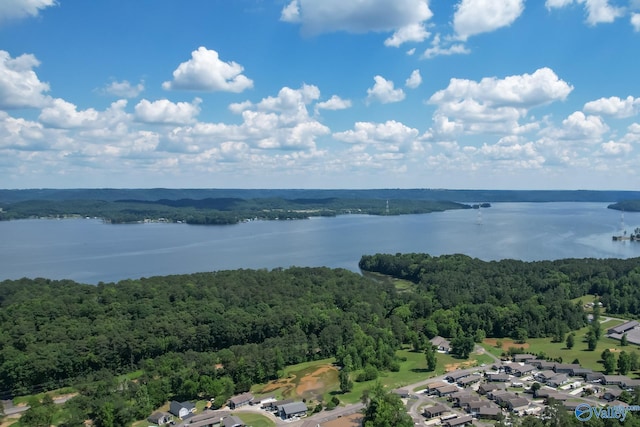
(184, 412)
(507, 389)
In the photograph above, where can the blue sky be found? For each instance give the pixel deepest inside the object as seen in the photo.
(507, 94)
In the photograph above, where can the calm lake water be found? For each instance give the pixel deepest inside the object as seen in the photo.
(89, 251)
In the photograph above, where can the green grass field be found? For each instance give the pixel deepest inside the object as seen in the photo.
(588, 359)
(254, 420)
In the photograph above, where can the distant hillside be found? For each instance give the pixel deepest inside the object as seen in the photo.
(461, 196)
(626, 205)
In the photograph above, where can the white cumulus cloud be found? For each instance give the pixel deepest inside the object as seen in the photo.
(613, 148)
(414, 80)
(437, 49)
(374, 133)
(205, 71)
(16, 9)
(20, 87)
(334, 103)
(124, 89)
(164, 111)
(410, 33)
(383, 91)
(494, 104)
(482, 16)
(635, 21)
(65, 115)
(614, 106)
(404, 17)
(598, 11)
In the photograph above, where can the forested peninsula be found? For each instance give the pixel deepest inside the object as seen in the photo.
(216, 334)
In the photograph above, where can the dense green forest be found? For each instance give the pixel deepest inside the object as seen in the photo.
(216, 334)
(217, 210)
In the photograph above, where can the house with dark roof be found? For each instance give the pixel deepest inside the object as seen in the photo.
(611, 394)
(160, 418)
(431, 388)
(240, 400)
(467, 381)
(434, 411)
(232, 421)
(565, 368)
(523, 357)
(454, 376)
(517, 404)
(501, 377)
(625, 327)
(542, 364)
(581, 372)
(489, 413)
(181, 409)
(447, 390)
(519, 371)
(474, 407)
(557, 380)
(205, 419)
(464, 402)
(485, 388)
(460, 421)
(293, 409)
(616, 379)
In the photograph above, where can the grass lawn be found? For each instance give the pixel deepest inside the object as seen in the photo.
(253, 419)
(588, 359)
(53, 393)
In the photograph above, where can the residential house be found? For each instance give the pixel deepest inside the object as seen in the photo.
(485, 388)
(501, 377)
(435, 411)
(273, 406)
(544, 376)
(616, 379)
(463, 402)
(232, 421)
(474, 407)
(240, 400)
(565, 368)
(431, 388)
(160, 418)
(557, 380)
(594, 377)
(630, 384)
(523, 357)
(205, 419)
(489, 413)
(441, 344)
(454, 376)
(294, 409)
(458, 422)
(581, 372)
(467, 381)
(611, 394)
(520, 371)
(447, 390)
(517, 404)
(542, 364)
(181, 409)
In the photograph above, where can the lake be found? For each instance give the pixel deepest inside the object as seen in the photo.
(90, 251)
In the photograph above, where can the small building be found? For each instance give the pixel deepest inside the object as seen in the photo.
(160, 418)
(435, 411)
(441, 344)
(460, 421)
(454, 376)
(474, 407)
(431, 388)
(181, 409)
(542, 364)
(489, 413)
(523, 357)
(616, 379)
(611, 394)
(485, 388)
(581, 372)
(621, 329)
(517, 404)
(240, 400)
(565, 368)
(557, 380)
(464, 402)
(467, 381)
(595, 377)
(447, 390)
(522, 370)
(501, 377)
(232, 421)
(293, 409)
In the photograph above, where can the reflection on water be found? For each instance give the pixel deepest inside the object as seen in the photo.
(90, 251)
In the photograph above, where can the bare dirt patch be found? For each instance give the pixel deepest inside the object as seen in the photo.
(506, 343)
(310, 383)
(354, 420)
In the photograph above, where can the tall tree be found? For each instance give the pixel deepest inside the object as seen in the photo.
(430, 355)
(384, 409)
(571, 340)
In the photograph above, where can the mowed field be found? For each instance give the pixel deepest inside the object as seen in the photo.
(588, 359)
